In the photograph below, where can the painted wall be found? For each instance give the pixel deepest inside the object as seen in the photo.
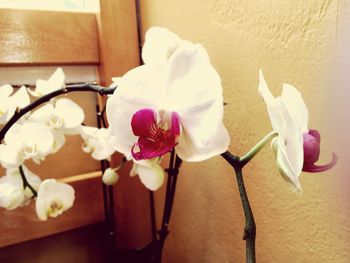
(293, 42)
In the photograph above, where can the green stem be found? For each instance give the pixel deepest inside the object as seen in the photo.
(249, 232)
(26, 183)
(252, 152)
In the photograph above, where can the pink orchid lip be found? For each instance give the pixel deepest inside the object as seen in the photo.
(155, 138)
(312, 141)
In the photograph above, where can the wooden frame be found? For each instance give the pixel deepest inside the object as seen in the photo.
(110, 41)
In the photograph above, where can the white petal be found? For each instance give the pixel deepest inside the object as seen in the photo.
(42, 115)
(53, 198)
(55, 82)
(5, 91)
(159, 45)
(9, 157)
(284, 165)
(70, 112)
(21, 97)
(203, 133)
(150, 173)
(191, 79)
(277, 122)
(11, 195)
(295, 106)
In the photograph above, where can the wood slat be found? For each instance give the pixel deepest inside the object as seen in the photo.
(45, 38)
(22, 224)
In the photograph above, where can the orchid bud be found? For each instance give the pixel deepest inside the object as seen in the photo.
(110, 177)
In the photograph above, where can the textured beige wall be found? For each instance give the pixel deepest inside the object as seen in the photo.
(293, 42)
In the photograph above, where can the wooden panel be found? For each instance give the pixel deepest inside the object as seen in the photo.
(42, 37)
(119, 52)
(22, 224)
(83, 245)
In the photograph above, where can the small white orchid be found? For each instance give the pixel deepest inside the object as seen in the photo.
(176, 103)
(110, 176)
(63, 115)
(297, 148)
(53, 199)
(43, 87)
(12, 194)
(95, 142)
(150, 173)
(9, 104)
(26, 141)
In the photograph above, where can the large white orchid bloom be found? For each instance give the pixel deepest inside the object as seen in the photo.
(26, 141)
(43, 87)
(53, 199)
(12, 194)
(95, 142)
(9, 104)
(289, 117)
(177, 102)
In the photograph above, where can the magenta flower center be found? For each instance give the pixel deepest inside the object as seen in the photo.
(156, 137)
(312, 141)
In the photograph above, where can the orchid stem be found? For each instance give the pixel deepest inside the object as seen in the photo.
(249, 232)
(67, 89)
(26, 183)
(252, 152)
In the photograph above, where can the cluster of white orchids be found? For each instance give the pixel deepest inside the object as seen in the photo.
(173, 101)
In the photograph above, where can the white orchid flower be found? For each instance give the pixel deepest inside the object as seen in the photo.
(12, 194)
(95, 142)
(26, 141)
(43, 87)
(9, 104)
(53, 199)
(296, 147)
(63, 115)
(110, 176)
(150, 173)
(177, 103)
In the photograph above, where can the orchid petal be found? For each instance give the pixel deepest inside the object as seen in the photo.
(150, 173)
(142, 120)
(190, 73)
(21, 98)
(70, 112)
(5, 91)
(295, 106)
(285, 168)
(159, 45)
(314, 168)
(199, 140)
(10, 157)
(11, 192)
(275, 116)
(43, 87)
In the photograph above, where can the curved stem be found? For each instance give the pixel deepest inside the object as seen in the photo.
(69, 88)
(26, 183)
(249, 233)
(252, 152)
